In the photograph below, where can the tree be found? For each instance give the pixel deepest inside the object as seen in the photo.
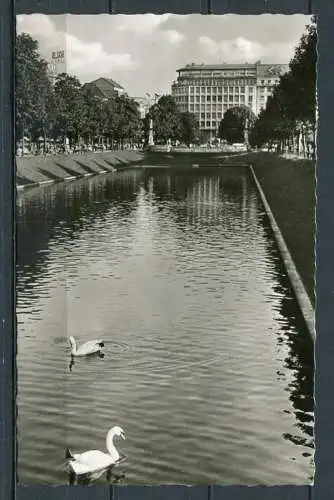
(289, 118)
(33, 90)
(232, 126)
(166, 120)
(126, 121)
(189, 128)
(71, 110)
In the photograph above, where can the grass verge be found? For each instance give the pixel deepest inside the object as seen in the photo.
(289, 186)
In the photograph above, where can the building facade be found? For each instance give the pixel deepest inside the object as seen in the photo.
(104, 88)
(208, 91)
(145, 103)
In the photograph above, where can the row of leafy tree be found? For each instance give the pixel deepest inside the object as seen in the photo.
(169, 124)
(66, 109)
(288, 121)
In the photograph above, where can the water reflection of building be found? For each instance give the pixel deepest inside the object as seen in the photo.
(208, 91)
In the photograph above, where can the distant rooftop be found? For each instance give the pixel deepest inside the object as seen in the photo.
(104, 87)
(222, 66)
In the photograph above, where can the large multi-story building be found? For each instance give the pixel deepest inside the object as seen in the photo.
(209, 90)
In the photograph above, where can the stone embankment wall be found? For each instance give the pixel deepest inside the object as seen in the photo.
(35, 170)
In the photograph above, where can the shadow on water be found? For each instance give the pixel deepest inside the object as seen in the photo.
(300, 360)
(85, 480)
(73, 360)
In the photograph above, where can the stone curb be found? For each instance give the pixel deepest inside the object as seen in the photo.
(295, 279)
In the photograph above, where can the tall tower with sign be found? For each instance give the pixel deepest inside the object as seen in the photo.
(57, 63)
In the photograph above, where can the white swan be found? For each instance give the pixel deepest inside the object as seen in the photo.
(91, 347)
(94, 461)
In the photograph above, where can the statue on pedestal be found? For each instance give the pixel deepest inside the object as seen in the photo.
(150, 134)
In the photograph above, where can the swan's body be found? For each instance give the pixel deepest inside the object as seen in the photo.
(91, 347)
(94, 461)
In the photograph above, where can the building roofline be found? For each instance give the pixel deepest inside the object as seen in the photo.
(196, 67)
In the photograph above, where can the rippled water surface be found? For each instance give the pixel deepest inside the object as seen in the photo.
(208, 366)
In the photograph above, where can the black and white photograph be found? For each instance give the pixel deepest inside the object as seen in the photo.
(165, 188)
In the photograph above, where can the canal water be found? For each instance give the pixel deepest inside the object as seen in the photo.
(208, 365)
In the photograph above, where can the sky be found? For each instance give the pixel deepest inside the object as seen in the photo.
(142, 52)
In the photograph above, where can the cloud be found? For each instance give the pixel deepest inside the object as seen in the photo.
(35, 24)
(241, 49)
(91, 57)
(173, 37)
(87, 57)
(144, 24)
(142, 52)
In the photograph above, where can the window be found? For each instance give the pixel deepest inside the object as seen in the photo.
(208, 124)
(230, 89)
(219, 98)
(230, 98)
(197, 90)
(214, 98)
(208, 97)
(202, 124)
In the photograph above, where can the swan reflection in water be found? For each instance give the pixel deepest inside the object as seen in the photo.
(86, 479)
(72, 361)
(91, 465)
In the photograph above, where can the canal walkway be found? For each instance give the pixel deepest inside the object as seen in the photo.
(39, 170)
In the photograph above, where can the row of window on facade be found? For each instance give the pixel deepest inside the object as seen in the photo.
(210, 74)
(226, 82)
(218, 90)
(217, 81)
(210, 90)
(213, 98)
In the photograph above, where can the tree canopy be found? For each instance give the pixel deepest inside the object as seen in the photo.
(291, 110)
(232, 126)
(66, 109)
(170, 123)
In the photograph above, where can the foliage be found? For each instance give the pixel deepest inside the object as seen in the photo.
(170, 124)
(232, 126)
(189, 128)
(291, 110)
(67, 109)
(32, 88)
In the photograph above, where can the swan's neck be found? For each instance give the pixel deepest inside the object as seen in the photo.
(111, 446)
(73, 345)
